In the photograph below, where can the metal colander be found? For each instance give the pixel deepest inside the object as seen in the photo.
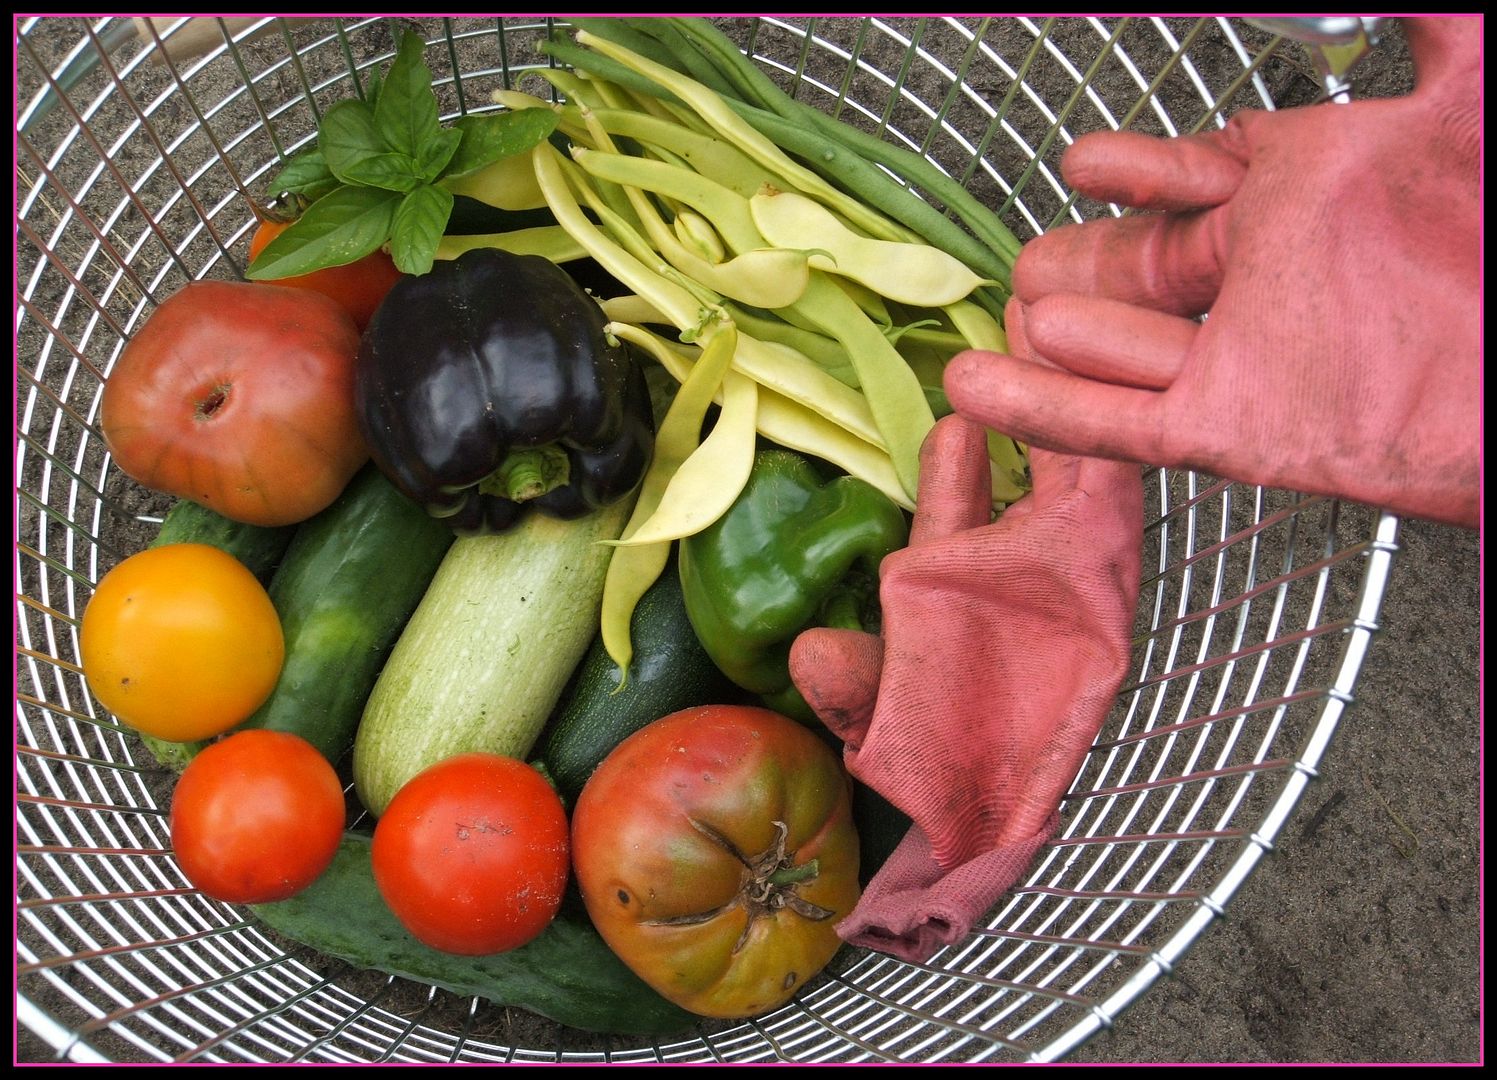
(135, 176)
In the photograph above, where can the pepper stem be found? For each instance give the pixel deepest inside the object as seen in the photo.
(843, 610)
(529, 473)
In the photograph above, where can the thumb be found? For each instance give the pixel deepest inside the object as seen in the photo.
(837, 672)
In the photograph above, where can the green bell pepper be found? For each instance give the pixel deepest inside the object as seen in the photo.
(796, 550)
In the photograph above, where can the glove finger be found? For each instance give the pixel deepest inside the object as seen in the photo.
(1057, 410)
(1191, 172)
(837, 672)
(955, 481)
(1444, 48)
(1169, 262)
(1109, 341)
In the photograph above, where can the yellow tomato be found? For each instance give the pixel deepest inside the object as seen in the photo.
(181, 642)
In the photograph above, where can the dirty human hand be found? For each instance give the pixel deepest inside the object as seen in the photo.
(1335, 251)
(1001, 650)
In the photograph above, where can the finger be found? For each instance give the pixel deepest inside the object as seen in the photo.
(1443, 48)
(837, 672)
(1191, 172)
(956, 486)
(1056, 410)
(1169, 262)
(1109, 341)
(1015, 328)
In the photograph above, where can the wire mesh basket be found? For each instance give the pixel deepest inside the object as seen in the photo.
(135, 176)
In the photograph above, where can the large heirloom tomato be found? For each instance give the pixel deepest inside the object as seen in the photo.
(715, 850)
(239, 396)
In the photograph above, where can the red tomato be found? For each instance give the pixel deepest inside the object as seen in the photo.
(471, 854)
(256, 817)
(716, 852)
(358, 287)
(239, 397)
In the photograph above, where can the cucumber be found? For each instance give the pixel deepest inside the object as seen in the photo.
(490, 649)
(351, 578)
(567, 974)
(258, 547)
(670, 671)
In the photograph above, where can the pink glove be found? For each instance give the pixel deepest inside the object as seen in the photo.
(1337, 252)
(1003, 645)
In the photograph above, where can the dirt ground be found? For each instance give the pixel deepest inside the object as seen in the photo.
(1359, 939)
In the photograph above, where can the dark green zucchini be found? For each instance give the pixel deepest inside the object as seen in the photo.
(670, 671)
(566, 974)
(345, 590)
(259, 548)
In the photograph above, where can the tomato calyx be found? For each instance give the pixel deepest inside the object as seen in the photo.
(769, 886)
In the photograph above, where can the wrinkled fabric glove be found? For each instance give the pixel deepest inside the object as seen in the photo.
(1001, 650)
(1336, 252)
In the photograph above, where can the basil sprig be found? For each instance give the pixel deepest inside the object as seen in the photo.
(373, 176)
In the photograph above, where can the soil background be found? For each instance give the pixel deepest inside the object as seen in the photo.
(1359, 940)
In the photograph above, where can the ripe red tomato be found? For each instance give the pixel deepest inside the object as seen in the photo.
(471, 854)
(358, 287)
(256, 817)
(715, 850)
(239, 397)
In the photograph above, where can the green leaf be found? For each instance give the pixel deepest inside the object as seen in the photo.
(418, 227)
(356, 153)
(305, 175)
(486, 139)
(437, 151)
(337, 229)
(406, 114)
(372, 88)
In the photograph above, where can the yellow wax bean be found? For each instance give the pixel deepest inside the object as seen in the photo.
(670, 299)
(977, 327)
(789, 423)
(630, 308)
(792, 375)
(716, 159)
(890, 387)
(710, 479)
(508, 184)
(764, 277)
(725, 208)
(910, 273)
(697, 233)
(633, 569)
(717, 114)
(552, 241)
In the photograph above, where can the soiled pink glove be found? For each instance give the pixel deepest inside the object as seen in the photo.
(1336, 252)
(1002, 647)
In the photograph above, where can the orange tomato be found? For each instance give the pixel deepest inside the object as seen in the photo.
(358, 287)
(181, 642)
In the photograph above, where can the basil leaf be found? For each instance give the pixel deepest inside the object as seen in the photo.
(486, 139)
(372, 88)
(419, 223)
(437, 151)
(306, 175)
(357, 154)
(406, 114)
(337, 229)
